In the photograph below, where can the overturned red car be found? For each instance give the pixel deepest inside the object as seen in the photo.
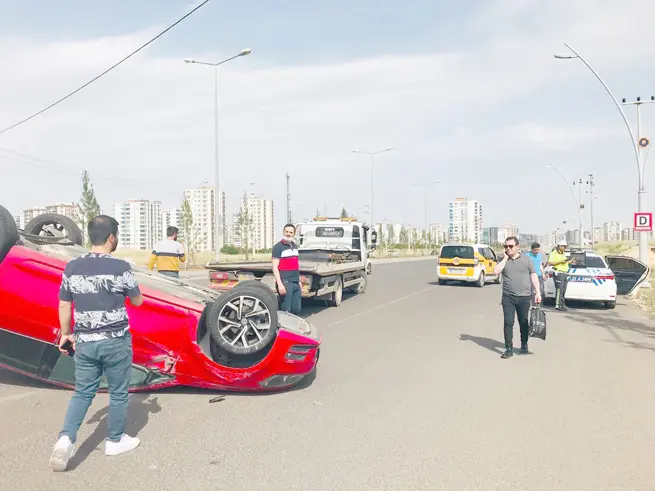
(183, 335)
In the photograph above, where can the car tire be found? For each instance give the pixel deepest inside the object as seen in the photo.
(8, 232)
(61, 222)
(225, 324)
(610, 305)
(499, 280)
(257, 284)
(369, 268)
(481, 280)
(337, 296)
(442, 282)
(361, 287)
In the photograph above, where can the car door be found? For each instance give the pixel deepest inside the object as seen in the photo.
(628, 272)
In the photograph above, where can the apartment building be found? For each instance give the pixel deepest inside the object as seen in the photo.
(464, 220)
(140, 223)
(260, 210)
(611, 231)
(201, 201)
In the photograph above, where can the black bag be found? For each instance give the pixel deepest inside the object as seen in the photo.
(537, 323)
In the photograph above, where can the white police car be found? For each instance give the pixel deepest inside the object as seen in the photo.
(594, 279)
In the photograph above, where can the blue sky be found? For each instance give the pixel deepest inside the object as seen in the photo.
(466, 92)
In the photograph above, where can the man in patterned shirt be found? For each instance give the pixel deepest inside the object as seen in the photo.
(97, 284)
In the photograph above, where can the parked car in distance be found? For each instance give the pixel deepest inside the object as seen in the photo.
(593, 278)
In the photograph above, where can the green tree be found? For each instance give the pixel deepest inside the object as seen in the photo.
(190, 231)
(403, 236)
(88, 207)
(391, 237)
(344, 213)
(245, 226)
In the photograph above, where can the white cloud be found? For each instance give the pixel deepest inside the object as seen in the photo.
(155, 114)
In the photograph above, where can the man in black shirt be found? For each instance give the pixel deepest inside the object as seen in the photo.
(286, 271)
(96, 284)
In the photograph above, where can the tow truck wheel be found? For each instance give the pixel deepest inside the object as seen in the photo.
(361, 287)
(337, 295)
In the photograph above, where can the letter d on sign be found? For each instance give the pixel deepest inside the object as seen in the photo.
(643, 222)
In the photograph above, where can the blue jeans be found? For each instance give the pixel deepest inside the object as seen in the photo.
(173, 274)
(292, 301)
(114, 357)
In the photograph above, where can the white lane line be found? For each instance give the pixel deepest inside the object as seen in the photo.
(15, 397)
(391, 302)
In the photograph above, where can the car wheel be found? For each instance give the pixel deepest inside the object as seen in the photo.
(8, 232)
(243, 321)
(499, 280)
(337, 295)
(361, 287)
(257, 284)
(369, 268)
(53, 225)
(481, 280)
(610, 305)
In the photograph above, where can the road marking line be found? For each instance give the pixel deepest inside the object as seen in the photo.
(382, 305)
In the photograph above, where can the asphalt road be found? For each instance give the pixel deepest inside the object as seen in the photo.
(411, 393)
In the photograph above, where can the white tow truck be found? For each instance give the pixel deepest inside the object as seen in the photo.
(333, 257)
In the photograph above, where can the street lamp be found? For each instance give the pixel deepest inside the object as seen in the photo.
(577, 201)
(218, 230)
(426, 185)
(372, 155)
(636, 145)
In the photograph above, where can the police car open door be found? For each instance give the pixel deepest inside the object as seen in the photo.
(628, 272)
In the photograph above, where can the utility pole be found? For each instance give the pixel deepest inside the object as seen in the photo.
(288, 200)
(591, 210)
(580, 208)
(641, 145)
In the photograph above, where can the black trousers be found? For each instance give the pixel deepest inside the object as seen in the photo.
(561, 280)
(519, 307)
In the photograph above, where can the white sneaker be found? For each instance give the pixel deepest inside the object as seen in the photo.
(125, 444)
(61, 454)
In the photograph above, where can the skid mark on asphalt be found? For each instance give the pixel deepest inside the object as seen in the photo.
(378, 307)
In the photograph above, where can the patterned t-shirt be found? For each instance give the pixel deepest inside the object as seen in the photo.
(98, 284)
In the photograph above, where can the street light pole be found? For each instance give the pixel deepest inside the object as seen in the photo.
(372, 155)
(577, 201)
(591, 210)
(636, 145)
(218, 228)
(426, 185)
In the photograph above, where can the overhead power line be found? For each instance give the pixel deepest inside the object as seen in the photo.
(103, 73)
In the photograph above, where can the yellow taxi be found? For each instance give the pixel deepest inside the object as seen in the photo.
(467, 263)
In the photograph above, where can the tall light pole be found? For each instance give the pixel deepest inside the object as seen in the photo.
(426, 186)
(372, 155)
(577, 201)
(637, 143)
(218, 229)
(591, 184)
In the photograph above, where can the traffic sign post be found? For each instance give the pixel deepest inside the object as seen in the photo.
(643, 222)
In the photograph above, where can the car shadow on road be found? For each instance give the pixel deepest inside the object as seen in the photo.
(490, 344)
(614, 324)
(141, 406)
